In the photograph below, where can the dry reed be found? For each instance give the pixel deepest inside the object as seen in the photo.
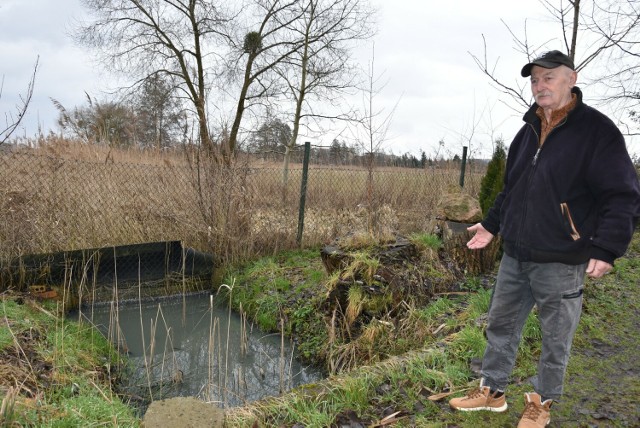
(62, 196)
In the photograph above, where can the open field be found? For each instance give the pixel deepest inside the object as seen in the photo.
(64, 196)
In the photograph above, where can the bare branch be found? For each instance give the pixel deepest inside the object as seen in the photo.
(12, 121)
(515, 93)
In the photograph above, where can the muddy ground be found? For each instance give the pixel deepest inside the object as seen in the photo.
(602, 388)
(615, 372)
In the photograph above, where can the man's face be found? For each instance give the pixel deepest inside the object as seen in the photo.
(551, 87)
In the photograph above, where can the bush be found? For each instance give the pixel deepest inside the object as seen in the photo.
(493, 180)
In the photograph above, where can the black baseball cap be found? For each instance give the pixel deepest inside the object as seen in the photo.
(551, 59)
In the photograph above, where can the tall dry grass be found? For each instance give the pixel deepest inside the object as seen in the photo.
(60, 195)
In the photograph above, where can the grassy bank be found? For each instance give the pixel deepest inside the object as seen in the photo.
(53, 372)
(413, 388)
(58, 373)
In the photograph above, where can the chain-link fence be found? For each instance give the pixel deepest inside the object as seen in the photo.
(54, 202)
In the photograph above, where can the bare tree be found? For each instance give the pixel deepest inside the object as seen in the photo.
(372, 128)
(468, 133)
(371, 131)
(110, 123)
(269, 140)
(320, 71)
(263, 48)
(601, 37)
(166, 37)
(160, 117)
(616, 24)
(13, 120)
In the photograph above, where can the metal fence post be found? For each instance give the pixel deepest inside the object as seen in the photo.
(463, 167)
(303, 191)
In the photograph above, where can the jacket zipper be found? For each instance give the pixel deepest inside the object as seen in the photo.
(529, 179)
(534, 164)
(535, 157)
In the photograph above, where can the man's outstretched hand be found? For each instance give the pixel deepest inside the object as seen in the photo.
(480, 239)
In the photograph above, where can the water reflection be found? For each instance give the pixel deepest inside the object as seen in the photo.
(194, 347)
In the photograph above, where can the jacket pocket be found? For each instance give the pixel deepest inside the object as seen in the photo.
(568, 221)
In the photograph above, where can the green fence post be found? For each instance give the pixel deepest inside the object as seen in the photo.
(303, 192)
(463, 167)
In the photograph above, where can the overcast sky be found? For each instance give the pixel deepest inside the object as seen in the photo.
(422, 47)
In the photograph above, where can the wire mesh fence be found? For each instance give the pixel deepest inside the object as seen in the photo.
(54, 202)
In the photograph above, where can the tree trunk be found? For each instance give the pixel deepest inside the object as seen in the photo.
(205, 138)
(574, 33)
(229, 146)
(296, 117)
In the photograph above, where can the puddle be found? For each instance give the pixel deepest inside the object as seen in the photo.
(193, 347)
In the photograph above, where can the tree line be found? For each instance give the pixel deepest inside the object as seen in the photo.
(268, 144)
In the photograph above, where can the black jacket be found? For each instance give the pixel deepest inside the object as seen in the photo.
(575, 198)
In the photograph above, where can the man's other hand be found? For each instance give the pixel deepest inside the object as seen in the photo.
(597, 268)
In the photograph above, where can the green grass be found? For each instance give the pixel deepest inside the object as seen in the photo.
(362, 263)
(594, 384)
(426, 241)
(67, 374)
(19, 321)
(602, 376)
(283, 287)
(478, 303)
(437, 309)
(472, 283)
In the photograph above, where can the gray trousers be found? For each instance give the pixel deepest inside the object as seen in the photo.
(556, 290)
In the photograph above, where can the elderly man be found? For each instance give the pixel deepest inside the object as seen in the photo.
(570, 204)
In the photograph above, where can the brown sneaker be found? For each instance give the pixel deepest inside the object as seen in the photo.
(480, 399)
(536, 414)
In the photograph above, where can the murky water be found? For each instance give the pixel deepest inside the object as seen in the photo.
(195, 347)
